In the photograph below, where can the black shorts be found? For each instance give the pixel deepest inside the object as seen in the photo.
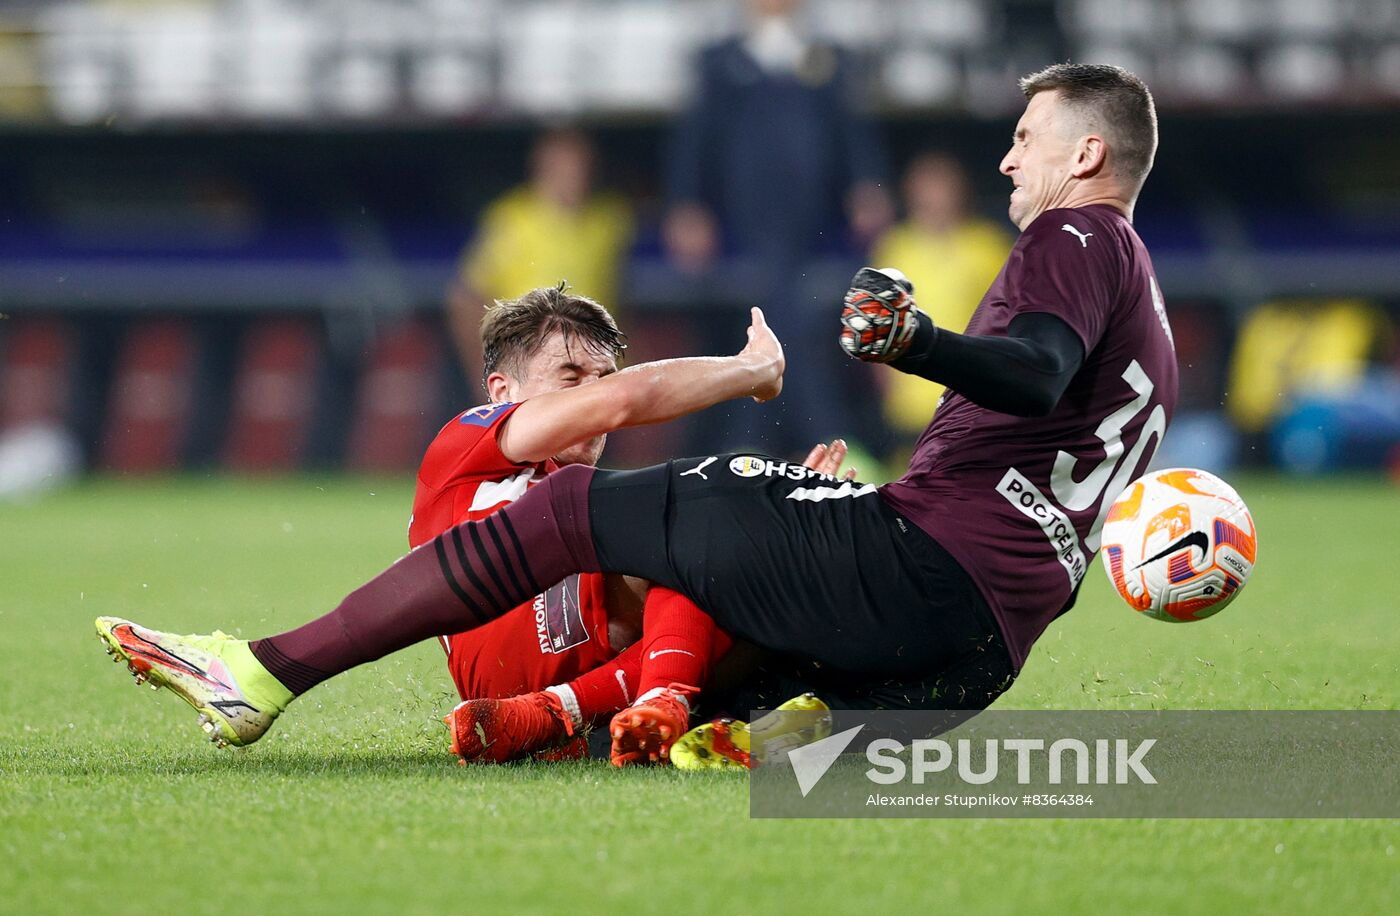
(815, 570)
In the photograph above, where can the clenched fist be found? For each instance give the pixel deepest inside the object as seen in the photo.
(878, 315)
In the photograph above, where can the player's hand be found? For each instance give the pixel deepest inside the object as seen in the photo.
(878, 315)
(764, 355)
(827, 459)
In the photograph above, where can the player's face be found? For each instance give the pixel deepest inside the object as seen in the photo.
(563, 361)
(1041, 161)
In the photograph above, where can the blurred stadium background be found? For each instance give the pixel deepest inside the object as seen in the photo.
(252, 235)
(246, 240)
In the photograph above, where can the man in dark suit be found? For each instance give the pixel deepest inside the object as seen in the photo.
(773, 164)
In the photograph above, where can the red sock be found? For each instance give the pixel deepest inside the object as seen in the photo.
(681, 642)
(593, 698)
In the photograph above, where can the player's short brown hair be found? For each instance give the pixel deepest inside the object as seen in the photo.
(1117, 102)
(513, 329)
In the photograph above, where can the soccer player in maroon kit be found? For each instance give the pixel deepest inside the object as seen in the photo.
(925, 593)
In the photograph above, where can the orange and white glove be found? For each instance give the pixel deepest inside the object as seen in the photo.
(878, 315)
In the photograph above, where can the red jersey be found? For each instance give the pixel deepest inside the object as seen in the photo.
(552, 639)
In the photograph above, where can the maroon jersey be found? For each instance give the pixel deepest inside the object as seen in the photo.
(1019, 501)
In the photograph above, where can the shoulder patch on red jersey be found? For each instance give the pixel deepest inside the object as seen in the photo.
(484, 415)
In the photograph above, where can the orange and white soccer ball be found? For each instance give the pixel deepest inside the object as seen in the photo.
(1179, 544)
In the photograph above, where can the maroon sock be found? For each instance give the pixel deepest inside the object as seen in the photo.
(467, 576)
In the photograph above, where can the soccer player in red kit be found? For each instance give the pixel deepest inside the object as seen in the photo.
(925, 593)
(570, 656)
(541, 647)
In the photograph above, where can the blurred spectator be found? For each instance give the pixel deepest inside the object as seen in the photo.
(1287, 349)
(1305, 373)
(772, 148)
(554, 227)
(951, 257)
(773, 159)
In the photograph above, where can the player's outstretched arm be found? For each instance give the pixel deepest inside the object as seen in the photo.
(641, 395)
(1024, 373)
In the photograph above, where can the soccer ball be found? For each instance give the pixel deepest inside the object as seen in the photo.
(1179, 544)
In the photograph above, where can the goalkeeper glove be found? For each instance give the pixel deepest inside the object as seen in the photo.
(878, 315)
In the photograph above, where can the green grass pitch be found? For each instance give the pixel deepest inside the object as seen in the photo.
(111, 801)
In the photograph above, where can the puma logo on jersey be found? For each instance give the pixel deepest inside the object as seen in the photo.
(699, 469)
(1082, 236)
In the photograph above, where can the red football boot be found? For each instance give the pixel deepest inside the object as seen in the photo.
(645, 731)
(495, 731)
